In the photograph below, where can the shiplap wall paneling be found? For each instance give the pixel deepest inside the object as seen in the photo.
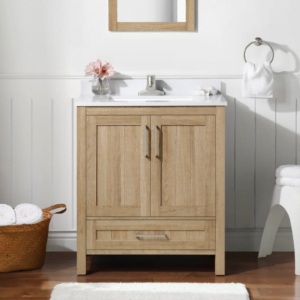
(5, 150)
(62, 160)
(245, 162)
(285, 127)
(264, 158)
(42, 152)
(21, 151)
(229, 89)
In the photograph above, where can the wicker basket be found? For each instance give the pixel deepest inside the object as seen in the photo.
(23, 247)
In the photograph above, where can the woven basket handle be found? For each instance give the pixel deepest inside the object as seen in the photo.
(55, 207)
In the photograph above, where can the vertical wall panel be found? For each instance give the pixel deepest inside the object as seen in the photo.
(21, 151)
(229, 87)
(285, 126)
(42, 152)
(265, 159)
(5, 151)
(62, 161)
(298, 129)
(245, 162)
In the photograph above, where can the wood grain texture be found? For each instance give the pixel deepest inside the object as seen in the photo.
(183, 174)
(220, 192)
(179, 153)
(148, 26)
(81, 191)
(113, 15)
(190, 15)
(159, 110)
(118, 173)
(120, 235)
(114, 25)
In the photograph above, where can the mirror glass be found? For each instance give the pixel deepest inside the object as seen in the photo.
(151, 10)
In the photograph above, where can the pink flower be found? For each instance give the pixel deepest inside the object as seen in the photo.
(106, 71)
(98, 69)
(90, 69)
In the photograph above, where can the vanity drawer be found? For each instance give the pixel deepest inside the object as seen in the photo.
(150, 234)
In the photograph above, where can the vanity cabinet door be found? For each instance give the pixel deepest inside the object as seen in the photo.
(183, 165)
(118, 166)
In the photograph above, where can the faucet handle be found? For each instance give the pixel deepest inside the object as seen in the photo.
(151, 80)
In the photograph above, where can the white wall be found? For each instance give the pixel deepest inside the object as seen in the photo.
(44, 47)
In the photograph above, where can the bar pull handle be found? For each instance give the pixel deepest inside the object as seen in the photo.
(150, 235)
(145, 140)
(156, 128)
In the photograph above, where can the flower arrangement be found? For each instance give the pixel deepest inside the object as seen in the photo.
(100, 70)
(101, 73)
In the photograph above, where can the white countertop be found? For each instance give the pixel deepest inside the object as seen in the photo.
(217, 100)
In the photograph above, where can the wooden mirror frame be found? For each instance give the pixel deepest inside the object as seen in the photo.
(188, 25)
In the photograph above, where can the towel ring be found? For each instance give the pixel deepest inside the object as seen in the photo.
(258, 42)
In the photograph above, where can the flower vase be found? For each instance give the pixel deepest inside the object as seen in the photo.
(100, 86)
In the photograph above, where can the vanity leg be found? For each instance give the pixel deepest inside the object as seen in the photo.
(81, 263)
(220, 264)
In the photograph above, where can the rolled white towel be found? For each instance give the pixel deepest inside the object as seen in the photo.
(288, 181)
(28, 214)
(288, 171)
(7, 215)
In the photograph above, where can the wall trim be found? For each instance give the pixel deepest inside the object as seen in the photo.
(136, 76)
(240, 240)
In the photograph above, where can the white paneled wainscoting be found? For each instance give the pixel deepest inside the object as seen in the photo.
(36, 153)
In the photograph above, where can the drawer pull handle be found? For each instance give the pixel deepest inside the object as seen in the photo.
(156, 128)
(145, 141)
(150, 235)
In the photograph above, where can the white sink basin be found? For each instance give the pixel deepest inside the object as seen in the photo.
(151, 98)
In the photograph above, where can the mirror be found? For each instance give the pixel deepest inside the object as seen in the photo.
(151, 15)
(151, 10)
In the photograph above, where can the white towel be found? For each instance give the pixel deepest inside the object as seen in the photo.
(7, 215)
(288, 181)
(288, 171)
(258, 81)
(28, 214)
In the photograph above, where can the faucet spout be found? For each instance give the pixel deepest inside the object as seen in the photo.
(151, 88)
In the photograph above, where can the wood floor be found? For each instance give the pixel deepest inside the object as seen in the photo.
(267, 278)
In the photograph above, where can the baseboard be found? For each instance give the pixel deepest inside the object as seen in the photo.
(241, 240)
(244, 240)
(62, 241)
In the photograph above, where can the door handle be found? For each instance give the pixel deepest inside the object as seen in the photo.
(145, 140)
(156, 128)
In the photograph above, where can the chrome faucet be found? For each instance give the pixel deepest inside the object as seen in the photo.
(151, 88)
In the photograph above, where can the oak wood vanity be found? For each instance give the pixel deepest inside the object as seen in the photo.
(151, 180)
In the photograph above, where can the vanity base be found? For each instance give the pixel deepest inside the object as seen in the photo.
(151, 180)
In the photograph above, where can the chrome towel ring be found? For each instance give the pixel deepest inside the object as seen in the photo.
(258, 42)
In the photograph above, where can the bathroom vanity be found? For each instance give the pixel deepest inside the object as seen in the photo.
(151, 176)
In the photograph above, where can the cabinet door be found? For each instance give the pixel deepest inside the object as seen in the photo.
(118, 166)
(183, 165)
